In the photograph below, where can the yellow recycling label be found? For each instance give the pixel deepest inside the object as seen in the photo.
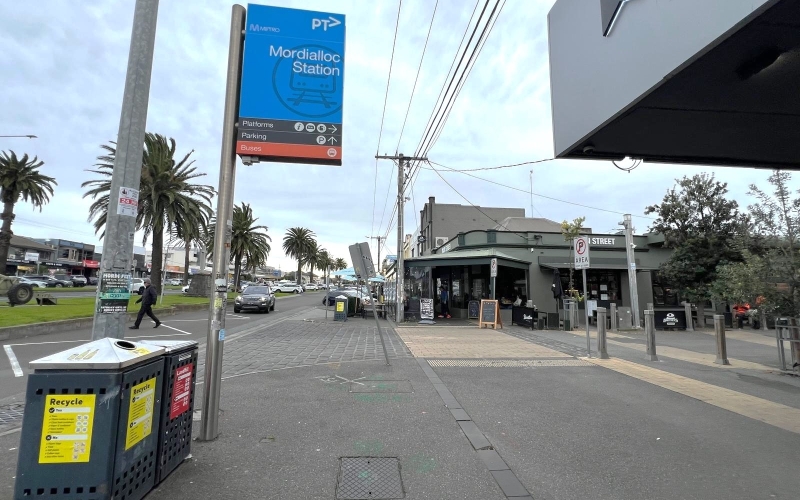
(67, 429)
(339, 307)
(140, 412)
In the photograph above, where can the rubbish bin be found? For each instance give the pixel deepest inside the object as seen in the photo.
(175, 428)
(340, 308)
(87, 430)
(352, 305)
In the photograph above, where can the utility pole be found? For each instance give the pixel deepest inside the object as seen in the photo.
(401, 178)
(629, 246)
(379, 238)
(121, 220)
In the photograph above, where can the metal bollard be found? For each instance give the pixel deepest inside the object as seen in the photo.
(601, 333)
(689, 322)
(650, 332)
(614, 318)
(719, 331)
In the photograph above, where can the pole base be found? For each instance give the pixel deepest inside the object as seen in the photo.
(651, 357)
(603, 355)
(722, 361)
(426, 322)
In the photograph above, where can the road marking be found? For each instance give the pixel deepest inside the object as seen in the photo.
(12, 358)
(173, 328)
(763, 410)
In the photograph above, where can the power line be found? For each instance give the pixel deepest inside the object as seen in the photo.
(464, 172)
(383, 116)
(499, 166)
(419, 68)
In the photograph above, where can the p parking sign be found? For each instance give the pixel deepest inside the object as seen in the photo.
(581, 244)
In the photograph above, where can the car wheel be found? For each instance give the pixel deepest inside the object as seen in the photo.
(59, 285)
(272, 307)
(296, 291)
(267, 310)
(237, 310)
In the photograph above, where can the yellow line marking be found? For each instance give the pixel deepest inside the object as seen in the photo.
(763, 410)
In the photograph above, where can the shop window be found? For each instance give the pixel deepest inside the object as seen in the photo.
(491, 237)
(63, 253)
(664, 294)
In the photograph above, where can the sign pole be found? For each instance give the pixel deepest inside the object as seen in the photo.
(209, 423)
(121, 218)
(586, 308)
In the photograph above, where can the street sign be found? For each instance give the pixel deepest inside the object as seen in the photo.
(581, 244)
(362, 260)
(292, 86)
(493, 269)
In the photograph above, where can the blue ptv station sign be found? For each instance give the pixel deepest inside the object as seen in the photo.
(292, 86)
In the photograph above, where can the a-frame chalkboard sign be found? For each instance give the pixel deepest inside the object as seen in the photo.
(490, 314)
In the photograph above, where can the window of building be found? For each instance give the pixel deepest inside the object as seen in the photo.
(664, 294)
(64, 253)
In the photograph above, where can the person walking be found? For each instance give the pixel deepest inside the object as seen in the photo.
(443, 299)
(147, 299)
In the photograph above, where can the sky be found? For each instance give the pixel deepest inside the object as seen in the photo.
(64, 72)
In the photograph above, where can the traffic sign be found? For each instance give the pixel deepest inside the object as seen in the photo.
(493, 269)
(292, 86)
(581, 244)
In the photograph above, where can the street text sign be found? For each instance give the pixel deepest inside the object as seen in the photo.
(581, 252)
(292, 86)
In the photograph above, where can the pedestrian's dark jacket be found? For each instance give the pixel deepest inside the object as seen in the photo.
(149, 296)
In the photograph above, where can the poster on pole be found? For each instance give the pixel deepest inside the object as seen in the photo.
(292, 86)
(493, 269)
(581, 244)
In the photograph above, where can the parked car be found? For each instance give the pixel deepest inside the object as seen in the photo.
(62, 280)
(330, 297)
(323, 286)
(311, 286)
(289, 288)
(78, 280)
(256, 297)
(33, 283)
(185, 289)
(92, 280)
(48, 280)
(137, 286)
(174, 282)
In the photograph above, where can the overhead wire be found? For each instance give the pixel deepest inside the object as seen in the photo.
(416, 78)
(380, 132)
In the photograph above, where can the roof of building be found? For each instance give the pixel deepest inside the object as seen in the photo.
(528, 224)
(478, 256)
(27, 243)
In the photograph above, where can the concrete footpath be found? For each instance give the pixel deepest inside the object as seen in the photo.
(311, 411)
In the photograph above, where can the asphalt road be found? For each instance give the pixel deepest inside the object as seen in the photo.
(16, 355)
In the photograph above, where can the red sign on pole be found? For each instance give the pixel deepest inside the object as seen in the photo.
(181, 389)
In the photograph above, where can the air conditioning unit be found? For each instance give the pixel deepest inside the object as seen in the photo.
(440, 241)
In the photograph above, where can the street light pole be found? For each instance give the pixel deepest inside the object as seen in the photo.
(121, 220)
(629, 246)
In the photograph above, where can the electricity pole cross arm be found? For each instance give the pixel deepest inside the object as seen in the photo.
(402, 161)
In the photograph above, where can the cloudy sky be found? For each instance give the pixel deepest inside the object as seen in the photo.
(64, 71)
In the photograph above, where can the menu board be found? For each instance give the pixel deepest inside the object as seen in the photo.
(426, 308)
(489, 314)
(474, 309)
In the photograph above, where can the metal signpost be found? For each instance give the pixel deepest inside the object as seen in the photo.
(292, 87)
(493, 275)
(363, 265)
(581, 244)
(629, 246)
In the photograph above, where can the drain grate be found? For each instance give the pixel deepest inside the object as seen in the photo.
(363, 478)
(506, 363)
(11, 413)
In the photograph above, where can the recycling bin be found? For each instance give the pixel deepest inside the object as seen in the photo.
(89, 422)
(177, 396)
(340, 308)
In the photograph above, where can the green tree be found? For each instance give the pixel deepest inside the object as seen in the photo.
(339, 264)
(249, 241)
(572, 230)
(297, 243)
(705, 230)
(747, 282)
(168, 200)
(20, 179)
(776, 225)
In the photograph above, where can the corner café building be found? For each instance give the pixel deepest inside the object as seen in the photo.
(526, 263)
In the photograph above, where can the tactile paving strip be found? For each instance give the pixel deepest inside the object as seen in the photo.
(506, 363)
(362, 478)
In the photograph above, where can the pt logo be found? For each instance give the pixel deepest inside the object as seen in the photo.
(325, 23)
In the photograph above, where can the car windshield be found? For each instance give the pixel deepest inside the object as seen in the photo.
(257, 290)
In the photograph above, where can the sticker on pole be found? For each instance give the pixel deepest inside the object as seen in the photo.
(181, 390)
(493, 269)
(67, 429)
(581, 244)
(140, 412)
(128, 203)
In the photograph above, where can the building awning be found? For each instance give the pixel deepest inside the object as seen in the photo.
(467, 258)
(605, 263)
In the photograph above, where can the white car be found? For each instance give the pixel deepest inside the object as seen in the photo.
(312, 286)
(33, 283)
(289, 288)
(137, 286)
(185, 289)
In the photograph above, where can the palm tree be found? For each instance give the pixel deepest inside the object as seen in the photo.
(339, 263)
(20, 179)
(312, 256)
(297, 244)
(249, 245)
(324, 261)
(168, 202)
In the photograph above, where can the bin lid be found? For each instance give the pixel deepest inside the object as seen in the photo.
(103, 354)
(171, 345)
